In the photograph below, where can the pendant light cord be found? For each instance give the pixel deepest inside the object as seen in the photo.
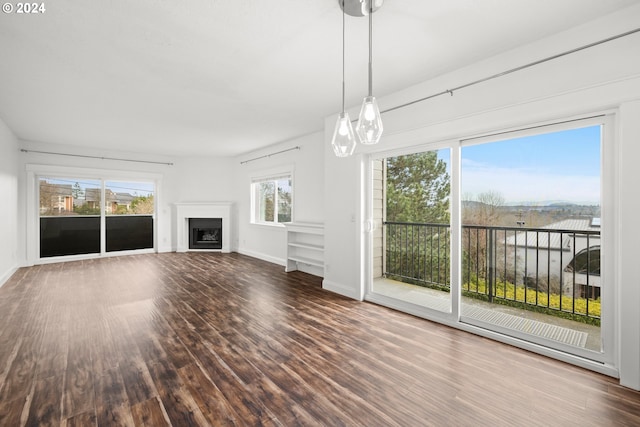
(343, 94)
(370, 48)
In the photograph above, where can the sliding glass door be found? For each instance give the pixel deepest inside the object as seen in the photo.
(412, 240)
(528, 258)
(89, 216)
(69, 223)
(532, 236)
(129, 208)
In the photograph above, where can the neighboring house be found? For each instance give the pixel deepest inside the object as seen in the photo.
(124, 199)
(55, 199)
(112, 200)
(565, 253)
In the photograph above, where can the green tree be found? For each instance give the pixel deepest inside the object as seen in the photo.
(142, 205)
(267, 200)
(284, 202)
(76, 191)
(86, 209)
(418, 187)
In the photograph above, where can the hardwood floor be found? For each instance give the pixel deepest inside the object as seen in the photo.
(224, 339)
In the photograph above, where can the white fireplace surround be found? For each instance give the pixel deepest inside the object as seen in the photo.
(184, 211)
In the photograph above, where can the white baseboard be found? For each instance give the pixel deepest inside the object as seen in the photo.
(165, 248)
(7, 275)
(264, 257)
(341, 289)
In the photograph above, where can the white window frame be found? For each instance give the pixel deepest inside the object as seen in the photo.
(272, 175)
(605, 362)
(35, 171)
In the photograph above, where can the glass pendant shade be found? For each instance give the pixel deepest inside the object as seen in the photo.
(369, 127)
(344, 140)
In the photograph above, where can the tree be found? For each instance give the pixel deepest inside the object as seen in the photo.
(284, 203)
(267, 201)
(47, 193)
(485, 210)
(141, 205)
(76, 191)
(418, 187)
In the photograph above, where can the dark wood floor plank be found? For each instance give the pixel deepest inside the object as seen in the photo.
(86, 419)
(19, 379)
(11, 411)
(45, 407)
(214, 406)
(149, 414)
(115, 415)
(79, 395)
(178, 403)
(137, 380)
(224, 339)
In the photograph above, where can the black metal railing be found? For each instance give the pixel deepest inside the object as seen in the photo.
(549, 270)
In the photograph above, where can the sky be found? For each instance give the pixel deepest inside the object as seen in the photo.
(558, 166)
(133, 188)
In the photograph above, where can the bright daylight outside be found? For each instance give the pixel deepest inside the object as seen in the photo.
(530, 237)
(71, 210)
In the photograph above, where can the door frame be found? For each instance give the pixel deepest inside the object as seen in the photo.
(606, 362)
(35, 171)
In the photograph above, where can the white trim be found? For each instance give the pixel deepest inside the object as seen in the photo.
(265, 174)
(33, 171)
(625, 264)
(222, 210)
(344, 290)
(7, 275)
(262, 256)
(607, 361)
(268, 175)
(539, 128)
(67, 258)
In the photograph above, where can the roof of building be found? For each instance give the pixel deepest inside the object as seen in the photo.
(554, 240)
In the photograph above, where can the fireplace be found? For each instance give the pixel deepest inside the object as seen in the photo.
(205, 233)
(220, 211)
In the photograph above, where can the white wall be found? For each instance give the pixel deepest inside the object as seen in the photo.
(9, 196)
(201, 179)
(629, 253)
(187, 180)
(601, 78)
(269, 242)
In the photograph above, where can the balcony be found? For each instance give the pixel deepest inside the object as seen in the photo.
(542, 281)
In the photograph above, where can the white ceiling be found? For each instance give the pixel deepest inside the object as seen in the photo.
(224, 77)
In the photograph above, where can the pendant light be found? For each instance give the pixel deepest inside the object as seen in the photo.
(369, 127)
(344, 139)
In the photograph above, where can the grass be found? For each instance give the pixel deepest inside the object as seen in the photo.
(506, 293)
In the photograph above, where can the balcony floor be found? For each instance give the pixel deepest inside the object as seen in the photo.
(542, 325)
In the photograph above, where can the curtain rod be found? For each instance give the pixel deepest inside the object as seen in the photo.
(513, 70)
(96, 157)
(297, 147)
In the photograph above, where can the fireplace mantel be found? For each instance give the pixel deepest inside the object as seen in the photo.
(184, 211)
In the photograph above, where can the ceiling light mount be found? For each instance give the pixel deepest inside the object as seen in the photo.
(360, 8)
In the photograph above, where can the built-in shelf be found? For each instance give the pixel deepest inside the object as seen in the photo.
(305, 247)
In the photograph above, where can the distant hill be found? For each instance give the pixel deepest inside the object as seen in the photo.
(553, 203)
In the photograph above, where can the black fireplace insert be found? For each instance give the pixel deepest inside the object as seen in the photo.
(205, 233)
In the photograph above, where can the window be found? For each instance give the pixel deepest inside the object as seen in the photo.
(271, 199)
(71, 212)
(521, 254)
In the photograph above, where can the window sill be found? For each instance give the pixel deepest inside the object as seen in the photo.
(267, 225)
